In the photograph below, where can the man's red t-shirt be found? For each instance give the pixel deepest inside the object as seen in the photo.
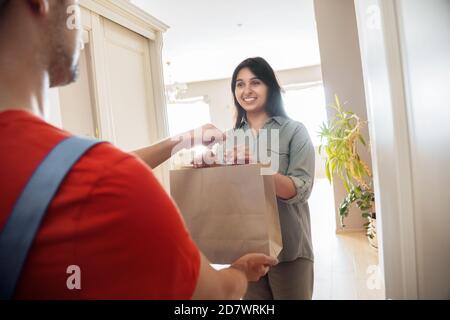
(110, 217)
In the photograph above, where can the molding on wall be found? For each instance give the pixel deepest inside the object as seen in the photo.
(99, 74)
(159, 98)
(406, 212)
(128, 15)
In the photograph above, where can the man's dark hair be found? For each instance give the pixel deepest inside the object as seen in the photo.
(2, 4)
(264, 72)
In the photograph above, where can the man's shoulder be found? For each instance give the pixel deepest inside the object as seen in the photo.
(108, 154)
(108, 162)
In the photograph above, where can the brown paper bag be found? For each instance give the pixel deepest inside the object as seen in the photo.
(229, 210)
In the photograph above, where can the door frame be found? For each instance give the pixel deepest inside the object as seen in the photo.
(383, 65)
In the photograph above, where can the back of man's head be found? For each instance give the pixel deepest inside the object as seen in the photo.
(38, 32)
(2, 4)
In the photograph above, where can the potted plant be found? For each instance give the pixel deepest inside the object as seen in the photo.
(340, 139)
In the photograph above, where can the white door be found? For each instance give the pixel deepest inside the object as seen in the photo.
(77, 103)
(405, 46)
(73, 107)
(129, 87)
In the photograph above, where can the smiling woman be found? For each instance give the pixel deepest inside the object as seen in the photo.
(255, 85)
(259, 105)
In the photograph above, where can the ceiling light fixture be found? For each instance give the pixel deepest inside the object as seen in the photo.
(174, 90)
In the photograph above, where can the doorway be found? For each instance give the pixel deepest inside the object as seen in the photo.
(345, 267)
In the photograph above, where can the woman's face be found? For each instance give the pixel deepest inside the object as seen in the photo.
(250, 92)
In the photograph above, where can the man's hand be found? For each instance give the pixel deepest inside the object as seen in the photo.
(232, 282)
(206, 135)
(254, 265)
(240, 154)
(157, 153)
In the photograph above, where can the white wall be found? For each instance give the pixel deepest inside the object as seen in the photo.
(425, 33)
(217, 94)
(425, 39)
(405, 47)
(53, 110)
(342, 75)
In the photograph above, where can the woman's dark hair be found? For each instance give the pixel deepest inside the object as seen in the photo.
(264, 72)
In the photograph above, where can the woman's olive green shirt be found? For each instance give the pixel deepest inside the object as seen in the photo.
(296, 159)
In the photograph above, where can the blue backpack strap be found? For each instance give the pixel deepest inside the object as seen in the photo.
(23, 223)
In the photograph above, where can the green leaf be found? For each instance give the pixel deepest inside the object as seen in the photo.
(333, 165)
(327, 171)
(340, 137)
(346, 184)
(362, 140)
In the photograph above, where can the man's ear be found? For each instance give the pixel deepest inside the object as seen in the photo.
(39, 7)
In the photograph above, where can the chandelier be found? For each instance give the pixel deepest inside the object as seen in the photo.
(174, 89)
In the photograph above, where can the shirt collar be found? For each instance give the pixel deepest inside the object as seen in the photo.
(278, 119)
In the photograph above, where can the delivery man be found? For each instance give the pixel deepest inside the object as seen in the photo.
(110, 223)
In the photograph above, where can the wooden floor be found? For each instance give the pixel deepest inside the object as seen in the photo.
(345, 265)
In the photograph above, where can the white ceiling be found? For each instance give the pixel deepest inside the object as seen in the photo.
(204, 41)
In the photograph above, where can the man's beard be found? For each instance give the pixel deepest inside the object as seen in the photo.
(63, 67)
(63, 70)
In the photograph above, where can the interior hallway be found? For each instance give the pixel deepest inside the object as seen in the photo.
(344, 263)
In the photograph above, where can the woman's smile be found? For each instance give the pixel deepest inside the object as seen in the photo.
(250, 91)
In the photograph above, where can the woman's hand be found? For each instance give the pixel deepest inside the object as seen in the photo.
(284, 187)
(239, 155)
(205, 159)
